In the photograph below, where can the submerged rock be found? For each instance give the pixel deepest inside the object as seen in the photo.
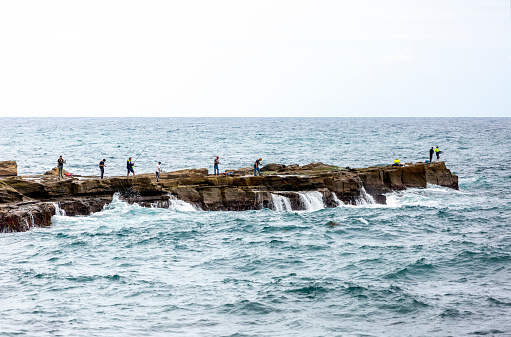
(332, 224)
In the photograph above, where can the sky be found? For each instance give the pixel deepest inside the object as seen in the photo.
(278, 58)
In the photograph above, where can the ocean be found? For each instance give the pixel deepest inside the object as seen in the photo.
(432, 262)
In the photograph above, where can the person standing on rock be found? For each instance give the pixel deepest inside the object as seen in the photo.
(216, 171)
(129, 166)
(431, 151)
(102, 167)
(60, 166)
(158, 170)
(256, 166)
(437, 152)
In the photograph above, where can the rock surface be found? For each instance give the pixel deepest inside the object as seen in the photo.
(55, 172)
(31, 201)
(8, 169)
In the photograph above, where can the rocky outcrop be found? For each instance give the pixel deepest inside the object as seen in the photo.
(30, 201)
(55, 172)
(23, 216)
(8, 169)
(379, 180)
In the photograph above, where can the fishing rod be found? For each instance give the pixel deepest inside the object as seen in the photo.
(140, 153)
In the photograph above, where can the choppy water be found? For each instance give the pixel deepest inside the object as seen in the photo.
(433, 262)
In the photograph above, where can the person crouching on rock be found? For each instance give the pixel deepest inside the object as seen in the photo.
(60, 165)
(256, 166)
(397, 162)
(129, 166)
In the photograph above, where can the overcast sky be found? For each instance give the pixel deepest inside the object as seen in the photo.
(255, 58)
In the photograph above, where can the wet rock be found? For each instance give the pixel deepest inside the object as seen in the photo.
(23, 216)
(438, 174)
(332, 224)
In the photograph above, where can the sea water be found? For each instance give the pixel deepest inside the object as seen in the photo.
(432, 262)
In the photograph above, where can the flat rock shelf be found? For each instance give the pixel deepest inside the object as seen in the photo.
(31, 201)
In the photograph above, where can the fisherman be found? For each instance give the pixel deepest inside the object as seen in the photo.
(256, 166)
(216, 171)
(397, 162)
(102, 167)
(158, 170)
(60, 165)
(431, 151)
(129, 166)
(437, 152)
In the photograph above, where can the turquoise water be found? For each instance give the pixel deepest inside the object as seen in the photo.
(433, 262)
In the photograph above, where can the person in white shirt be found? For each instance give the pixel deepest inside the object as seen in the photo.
(158, 170)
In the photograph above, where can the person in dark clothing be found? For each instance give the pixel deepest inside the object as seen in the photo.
(129, 166)
(60, 166)
(216, 171)
(102, 167)
(431, 151)
(256, 166)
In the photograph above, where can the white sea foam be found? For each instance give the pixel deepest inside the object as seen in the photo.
(280, 203)
(179, 205)
(365, 198)
(58, 211)
(312, 201)
(339, 202)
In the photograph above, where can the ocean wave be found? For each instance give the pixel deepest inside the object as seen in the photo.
(247, 308)
(411, 270)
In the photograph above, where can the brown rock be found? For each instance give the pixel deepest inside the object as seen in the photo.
(243, 171)
(9, 194)
(414, 176)
(55, 172)
(393, 178)
(212, 198)
(273, 167)
(8, 168)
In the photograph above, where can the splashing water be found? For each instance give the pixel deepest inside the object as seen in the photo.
(337, 201)
(280, 203)
(364, 198)
(312, 201)
(180, 205)
(58, 211)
